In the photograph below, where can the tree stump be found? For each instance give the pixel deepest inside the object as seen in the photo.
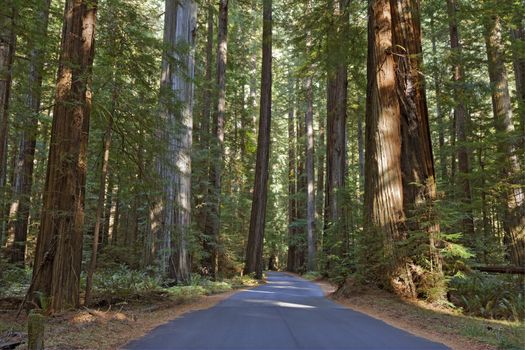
(35, 331)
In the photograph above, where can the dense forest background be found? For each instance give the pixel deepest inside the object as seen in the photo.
(144, 160)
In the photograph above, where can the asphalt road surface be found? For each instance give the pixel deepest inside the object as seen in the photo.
(286, 313)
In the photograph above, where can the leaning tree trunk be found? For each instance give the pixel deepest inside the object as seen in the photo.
(58, 258)
(19, 213)
(462, 121)
(171, 214)
(254, 248)
(7, 54)
(513, 201)
(213, 217)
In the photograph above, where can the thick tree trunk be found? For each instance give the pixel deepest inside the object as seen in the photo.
(58, 258)
(213, 219)
(19, 213)
(384, 212)
(106, 144)
(417, 161)
(171, 214)
(254, 248)
(7, 53)
(513, 201)
(462, 122)
(399, 180)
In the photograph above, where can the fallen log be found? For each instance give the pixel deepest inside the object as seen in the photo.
(516, 270)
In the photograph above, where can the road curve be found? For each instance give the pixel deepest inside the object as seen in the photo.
(286, 313)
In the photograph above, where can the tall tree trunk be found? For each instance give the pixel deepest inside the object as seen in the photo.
(292, 180)
(213, 219)
(205, 139)
(58, 258)
(7, 53)
(19, 213)
(399, 180)
(462, 120)
(320, 171)
(417, 161)
(300, 238)
(513, 201)
(171, 214)
(310, 191)
(106, 144)
(254, 248)
(384, 212)
(310, 174)
(337, 86)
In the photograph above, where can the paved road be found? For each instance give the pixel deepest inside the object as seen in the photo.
(286, 313)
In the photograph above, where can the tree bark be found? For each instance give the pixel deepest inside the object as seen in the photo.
(7, 53)
(337, 94)
(310, 175)
(310, 191)
(213, 218)
(254, 261)
(58, 258)
(205, 139)
(292, 180)
(462, 121)
(384, 212)
(19, 213)
(513, 201)
(417, 161)
(172, 214)
(399, 179)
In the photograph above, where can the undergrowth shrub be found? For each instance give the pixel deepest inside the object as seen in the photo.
(123, 283)
(14, 280)
(489, 295)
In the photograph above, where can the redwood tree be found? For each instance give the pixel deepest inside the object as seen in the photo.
(254, 247)
(399, 179)
(58, 258)
(170, 217)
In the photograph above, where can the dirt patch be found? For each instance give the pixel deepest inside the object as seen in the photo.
(109, 328)
(429, 321)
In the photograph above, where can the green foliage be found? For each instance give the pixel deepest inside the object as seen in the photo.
(14, 280)
(312, 275)
(123, 283)
(491, 296)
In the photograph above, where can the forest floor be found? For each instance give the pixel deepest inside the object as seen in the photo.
(108, 328)
(438, 324)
